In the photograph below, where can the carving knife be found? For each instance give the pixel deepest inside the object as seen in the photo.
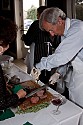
(36, 90)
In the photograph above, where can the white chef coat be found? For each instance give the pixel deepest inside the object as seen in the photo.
(70, 49)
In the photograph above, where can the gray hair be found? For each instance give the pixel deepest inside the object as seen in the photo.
(51, 15)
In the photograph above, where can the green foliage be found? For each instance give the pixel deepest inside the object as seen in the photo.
(32, 13)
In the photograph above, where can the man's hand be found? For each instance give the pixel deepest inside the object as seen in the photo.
(53, 79)
(21, 93)
(35, 73)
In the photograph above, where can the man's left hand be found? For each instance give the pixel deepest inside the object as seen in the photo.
(53, 79)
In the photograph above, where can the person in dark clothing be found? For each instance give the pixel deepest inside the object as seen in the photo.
(8, 33)
(41, 40)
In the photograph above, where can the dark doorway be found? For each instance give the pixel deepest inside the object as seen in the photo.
(57, 3)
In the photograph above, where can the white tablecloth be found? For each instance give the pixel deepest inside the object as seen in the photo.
(70, 114)
(15, 70)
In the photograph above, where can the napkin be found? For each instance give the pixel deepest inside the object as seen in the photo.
(6, 114)
(16, 88)
(27, 123)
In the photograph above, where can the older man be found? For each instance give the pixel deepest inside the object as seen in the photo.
(70, 50)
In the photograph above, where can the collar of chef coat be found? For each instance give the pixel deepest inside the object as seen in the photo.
(67, 25)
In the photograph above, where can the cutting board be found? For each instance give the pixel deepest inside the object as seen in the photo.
(27, 103)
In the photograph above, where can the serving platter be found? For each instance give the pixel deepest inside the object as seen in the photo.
(27, 104)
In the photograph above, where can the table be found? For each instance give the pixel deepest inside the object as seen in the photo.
(70, 113)
(15, 70)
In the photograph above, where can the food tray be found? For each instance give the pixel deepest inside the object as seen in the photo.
(27, 103)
